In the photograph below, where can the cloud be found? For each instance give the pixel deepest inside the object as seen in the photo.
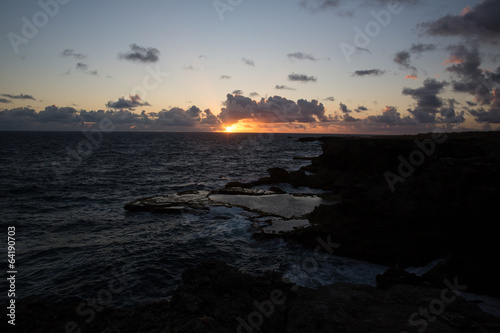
(283, 87)
(254, 94)
(67, 118)
(210, 118)
(301, 78)
(426, 96)
(301, 56)
(430, 105)
(492, 115)
(481, 21)
(274, 109)
(319, 5)
(322, 5)
(237, 92)
(3, 100)
(391, 116)
(248, 62)
(123, 103)
(402, 58)
(141, 54)
(330, 99)
(179, 117)
(19, 117)
(85, 69)
(344, 108)
(361, 109)
(72, 54)
(411, 77)
(309, 110)
(350, 119)
(20, 96)
(225, 77)
(369, 72)
(469, 78)
(421, 48)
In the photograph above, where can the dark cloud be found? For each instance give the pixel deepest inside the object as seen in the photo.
(481, 21)
(330, 99)
(54, 117)
(3, 100)
(301, 78)
(344, 108)
(274, 109)
(469, 78)
(430, 107)
(248, 62)
(449, 115)
(403, 59)
(85, 69)
(254, 94)
(179, 117)
(322, 5)
(370, 72)
(237, 92)
(309, 110)
(426, 96)
(301, 56)
(421, 48)
(210, 118)
(391, 116)
(283, 87)
(492, 115)
(123, 103)
(361, 109)
(20, 96)
(72, 54)
(141, 54)
(319, 5)
(12, 119)
(225, 77)
(349, 119)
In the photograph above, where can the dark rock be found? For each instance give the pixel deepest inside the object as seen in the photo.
(215, 297)
(276, 190)
(394, 276)
(278, 174)
(238, 184)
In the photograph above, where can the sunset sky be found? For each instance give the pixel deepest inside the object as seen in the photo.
(304, 66)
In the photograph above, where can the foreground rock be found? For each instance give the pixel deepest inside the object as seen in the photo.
(215, 297)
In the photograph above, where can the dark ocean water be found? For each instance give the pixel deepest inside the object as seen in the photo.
(65, 194)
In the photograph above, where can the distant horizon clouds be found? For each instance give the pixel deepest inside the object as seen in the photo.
(319, 66)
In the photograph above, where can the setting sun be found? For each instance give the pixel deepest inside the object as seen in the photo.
(230, 129)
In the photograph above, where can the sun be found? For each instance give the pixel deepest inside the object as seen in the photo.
(230, 129)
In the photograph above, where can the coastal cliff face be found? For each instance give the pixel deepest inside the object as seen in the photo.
(412, 199)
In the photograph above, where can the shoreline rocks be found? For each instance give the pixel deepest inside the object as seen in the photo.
(215, 297)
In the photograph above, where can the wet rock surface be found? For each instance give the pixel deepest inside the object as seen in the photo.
(215, 297)
(286, 212)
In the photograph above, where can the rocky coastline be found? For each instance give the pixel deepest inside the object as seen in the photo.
(402, 201)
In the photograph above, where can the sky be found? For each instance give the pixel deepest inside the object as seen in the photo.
(301, 66)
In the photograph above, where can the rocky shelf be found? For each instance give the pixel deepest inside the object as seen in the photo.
(279, 213)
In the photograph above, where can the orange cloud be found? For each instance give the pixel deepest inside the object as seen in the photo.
(454, 60)
(465, 11)
(412, 77)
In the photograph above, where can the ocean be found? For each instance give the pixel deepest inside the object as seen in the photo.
(64, 192)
